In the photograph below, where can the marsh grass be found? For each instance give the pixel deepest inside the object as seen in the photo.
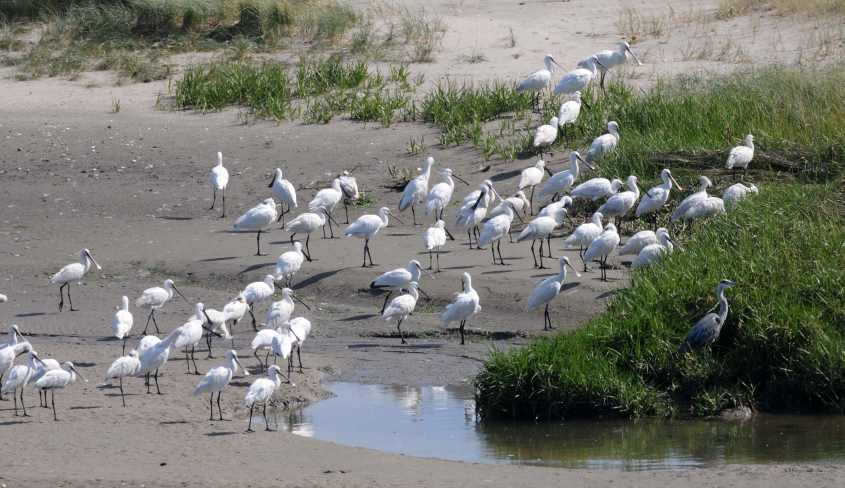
(780, 348)
(814, 8)
(635, 26)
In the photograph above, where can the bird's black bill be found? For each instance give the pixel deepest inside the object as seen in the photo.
(301, 301)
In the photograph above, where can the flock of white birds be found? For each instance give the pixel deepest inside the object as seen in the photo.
(483, 214)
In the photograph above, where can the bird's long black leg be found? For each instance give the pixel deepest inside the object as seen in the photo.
(346, 210)
(211, 406)
(493, 251)
(463, 324)
(299, 357)
(254, 325)
(384, 305)
(541, 255)
(266, 420)
(219, 410)
(15, 398)
(148, 323)
(147, 382)
(224, 204)
(331, 229)
(69, 299)
(61, 296)
(155, 376)
(155, 323)
(308, 247)
(532, 252)
(429, 259)
(499, 249)
(438, 261)
(187, 360)
(255, 353)
(549, 246)
(364, 265)
(258, 244)
(53, 401)
(122, 397)
(23, 404)
(531, 201)
(249, 427)
(208, 345)
(369, 253)
(413, 214)
(194, 360)
(469, 237)
(213, 198)
(399, 329)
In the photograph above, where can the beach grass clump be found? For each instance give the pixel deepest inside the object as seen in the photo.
(317, 76)
(781, 348)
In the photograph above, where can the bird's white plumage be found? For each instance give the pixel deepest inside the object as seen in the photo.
(440, 195)
(154, 355)
(217, 378)
(75, 271)
(349, 186)
(652, 253)
(605, 143)
(656, 197)
(41, 369)
(586, 233)
(532, 175)
(259, 291)
(546, 134)
(235, 310)
(280, 311)
(547, 289)
(741, 156)
(435, 237)
(402, 306)
(562, 181)
(154, 298)
(258, 217)
(551, 209)
(8, 354)
(538, 80)
(497, 227)
(682, 208)
(306, 223)
(596, 188)
(399, 278)
(604, 245)
(638, 241)
(19, 375)
(327, 198)
(191, 331)
(519, 202)
(570, 110)
(610, 58)
(289, 263)
(577, 79)
(219, 175)
(261, 390)
(622, 202)
(540, 227)
(417, 189)
(367, 226)
(734, 193)
(124, 366)
(56, 379)
(465, 304)
(122, 321)
(283, 189)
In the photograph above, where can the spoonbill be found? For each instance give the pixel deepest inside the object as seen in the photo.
(349, 186)
(579, 78)
(699, 208)
(263, 340)
(235, 310)
(547, 290)
(705, 332)
(258, 292)
(596, 188)
(216, 321)
(538, 80)
(618, 205)
(17, 379)
(256, 220)
(546, 135)
(367, 227)
(41, 368)
(734, 193)
(682, 208)
(261, 392)
(638, 241)
(549, 211)
(73, 272)
(569, 111)
(652, 253)
(123, 367)
(155, 298)
(584, 235)
(58, 379)
(289, 263)
(218, 178)
(494, 229)
(276, 322)
(531, 177)
(154, 354)
(285, 192)
(465, 304)
(518, 201)
(122, 321)
(440, 195)
(605, 143)
(434, 239)
(3, 298)
(14, 336)
(397, 279)
(306, 223)
(562, 181)
(416, 190)
(401, 307)
(602, 247)
(740, 156)
(216, 380)
(8, 355)
(190, 334)
(282, 347)
(539, 229)
(657, 196)
(474, 209)
(327, 199)
(610, 58)
(300, 327)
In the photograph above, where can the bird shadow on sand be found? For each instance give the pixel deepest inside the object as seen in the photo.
(219, 434)
(314, 279)
(401, 234)
(30, 314)
(212, 260)
(568, 286)
(458, 267)
(86, 407)
(498, 271)
(355, 318)
(256, 266)
(171, 217)
(15, 422)
(243, 383)
(608, 294)
(506, 175)
(173, 422)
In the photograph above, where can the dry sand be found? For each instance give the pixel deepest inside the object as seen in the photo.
(132, 187)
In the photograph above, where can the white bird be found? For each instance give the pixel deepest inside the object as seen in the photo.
(465, 304)
(416, 190)
(702, 207)
(605, 143)
(8, 354)
(547, 290)
(276, 323)
(218, 178)
(285, 192)
(549, 211)
(538, 80)
(124, 367)
(638, 241)
(584, 235)
(473, 210)
(705, 332)
(14, 336)
(306, 223)
(579, 78)
(602, 247)
(17, 378)
(349, 186)
(367, 227)
(494, 229)
(153, 354)
(652, 253)
(3, 298)
(261, 392)
(300, 328)
(235, 310)
(155, 298)
(397, 279)
(258, 292)
(216, 321)
(569, 111)
(256, 220)
(58, 379)
(618, 205)
(531, 177)
(740, 156)
(610, 58)
(546, 135)
(434, 239)
(263, 340)
(562, 181)
(122, 321)
(518, 201)
(440, 195)
(596, 188)
(734, 193)
(540, 228)
(657, 196)
(216, 380)
(682, 208)
(327, 199)
(73, 273)
(401, 307)
(282, 347)
(190, 334)
(289, 263)
(41, 368)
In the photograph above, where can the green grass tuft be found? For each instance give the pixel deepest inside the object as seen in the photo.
(780, 349)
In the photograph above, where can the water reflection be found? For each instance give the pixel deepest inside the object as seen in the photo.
(440, 422)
